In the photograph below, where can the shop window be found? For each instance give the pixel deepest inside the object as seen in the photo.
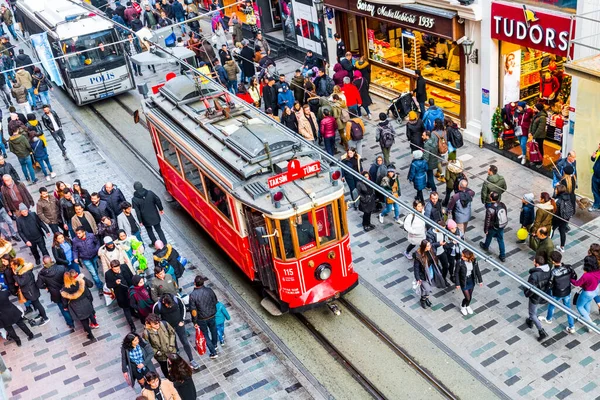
(169, 152)
(217, 197)
(191, 173)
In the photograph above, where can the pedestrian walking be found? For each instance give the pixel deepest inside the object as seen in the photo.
(433, 208)
(377, 171)
(308, 127)
(62, 251)
(415, 227)
(203, 306)
(11, 315)
(367, 198)
(52, 278)
(538, 129)
(168, 257)
(181, 376)
(569, 181)
(436, 236)
(148, 209)
(522, 121)
(558, 172)
(171, 309)
(31, 230)
(460, 205)
(417, 174)
(113, 196)
(161, 336)
(452, 247)
(527, 215)
(328, 131)
(431, 155)
(108, 228)
(53, 123)
(420, 93)
(20, 94)
(544, 244)
(40, 153)
(7, 168)
(20, 147)
(48, 211)
(433, 112)
(426, 272)
(85, 251)
(352, 160)
(66, 203)
(159, 389)
(353, 99)
(42, 84)
(136, 359)
(385, 136)
(100, 208)
(119, 278)
(496, 219)
(595, 180)
(220, 317)
(83, 219)
(139, 298)
(391, 184)
(441, 136)
(127, 221)
(467, 274)
(494, 183)
(560, 284)
(564, 212)
(414, 132)
(10, 233)
(539, 277)
(25, 280)
(589, 286)
(162, 283)
(544, 213)
(111, 251)
(363, 89)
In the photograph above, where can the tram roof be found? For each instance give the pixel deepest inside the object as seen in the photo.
(56, 12)
(240, 149)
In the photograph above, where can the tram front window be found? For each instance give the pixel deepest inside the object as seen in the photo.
(324, 221)
(101, 49)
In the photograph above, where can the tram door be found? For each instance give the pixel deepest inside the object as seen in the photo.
(261, 253)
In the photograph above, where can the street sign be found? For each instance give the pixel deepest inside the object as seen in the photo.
(294, 171)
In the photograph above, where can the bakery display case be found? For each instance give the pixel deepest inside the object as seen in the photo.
(447, 100)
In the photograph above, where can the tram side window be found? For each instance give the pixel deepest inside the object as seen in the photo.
(169, 152)
(340, 203)
(286, 237)
(192, 174)
(217, 197)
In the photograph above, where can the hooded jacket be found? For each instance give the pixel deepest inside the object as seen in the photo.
(117, 253)
(543, 217)
(415, 227)
(430, 154)
(454, 168)
(352, 95)
(432, 113)
(285, 99)
(172, 315)
(417, 173)
(19, 145)
(222, 314)
(147, 206)
(498, 185)
(23, 60)
(365, 69)
(461, 212)
(26, 280)
(561, 280)
(171, 256)
(538, 125)
(31, 228)
(52, 278)
(78, 298)
(339, 74)
(540, 278)
(414, 134)
(545, 248)
(24, 78)
(7, 198)
(232, 70)
(297, 84)
(113, 199)
(161, 340)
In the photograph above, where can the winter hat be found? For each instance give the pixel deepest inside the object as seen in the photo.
(23, 207)
(569, 170)
(539, 106)
(412, 116)
(528, 197)
(417, 154)
(136, 280)
(245, 42)
(452, 156)
(31, 117)
(357, 74)
(138, 186)
(159, 244)
(521, 104)
(107, 240)
(450, 224)
(382, 116)
(391, 169)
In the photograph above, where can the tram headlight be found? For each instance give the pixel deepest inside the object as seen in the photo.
(323, 272)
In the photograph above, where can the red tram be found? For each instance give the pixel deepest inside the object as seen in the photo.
(262, 195)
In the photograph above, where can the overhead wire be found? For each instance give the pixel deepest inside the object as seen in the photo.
(348, 170)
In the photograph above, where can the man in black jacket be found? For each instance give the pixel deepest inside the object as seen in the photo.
(23, 60)
(52, 278)
(560, 283)
(539, 277)
(31, 229)
(120, 280)
(346, 64)
(148, 209)
(66, 206)
(491, 226)
(247, 67)
(6, 168)
(100, 208)
(203, 306)
(421, 92)
(113, 196)
(5, 91)
(270, 96)
(52, 123)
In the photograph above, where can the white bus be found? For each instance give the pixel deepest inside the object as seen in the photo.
(98, 67)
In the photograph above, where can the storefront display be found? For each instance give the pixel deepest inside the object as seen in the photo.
(533, 48)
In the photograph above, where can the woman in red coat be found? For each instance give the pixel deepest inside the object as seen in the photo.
(328, 129)
(244, 95)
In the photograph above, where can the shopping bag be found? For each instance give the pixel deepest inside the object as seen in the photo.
(200, 342)
(21, 297)
(109, 295)
(182, 260)
(170, 40)
(576, 297)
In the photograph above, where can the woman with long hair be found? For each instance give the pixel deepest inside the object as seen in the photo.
(289, 119)
(439, 132)
(415, 227)
(255, 91)
(80, 194)
(62, 251)
(589, 286)
(181, 376)
(569, 180)
(426, 272)
(466, 276)
(136, 359)
(159, 389)
(544, 213)
(59, 189)
(77, 298)
(564, 212)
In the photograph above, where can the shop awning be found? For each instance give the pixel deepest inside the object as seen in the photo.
(431, 10)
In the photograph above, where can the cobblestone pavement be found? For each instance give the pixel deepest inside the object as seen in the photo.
(60, 363)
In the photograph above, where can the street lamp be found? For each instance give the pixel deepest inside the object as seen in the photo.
(319, 6)
(472, 54)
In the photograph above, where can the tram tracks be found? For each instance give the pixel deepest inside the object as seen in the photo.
(340, 356)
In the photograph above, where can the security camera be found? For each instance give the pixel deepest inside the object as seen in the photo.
(461, 20)
(461, 40)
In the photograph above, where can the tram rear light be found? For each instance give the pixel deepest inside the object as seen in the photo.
(334, 175)
(276, 197)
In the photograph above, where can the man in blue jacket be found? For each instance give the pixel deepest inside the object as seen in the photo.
(596, 180)
(432, 113)
(85, 251)
(285, 98)
(221, 73)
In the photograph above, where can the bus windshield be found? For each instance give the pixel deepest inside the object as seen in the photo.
(102, 49)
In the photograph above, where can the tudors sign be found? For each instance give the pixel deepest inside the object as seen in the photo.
(536, 29)
(411, 18)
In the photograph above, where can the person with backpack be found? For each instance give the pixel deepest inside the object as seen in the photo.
(454, 173)
(385, 136)
(171, 309)
(442, 148)
(564, 212)
(161, 336)
(355, 131)
(433, 112)
(431, 155)
(415, 227)
(539, 277)
(139, 298)
(168, 257)
(455, 137)
(560, 284)
(494, 183)
(391, 183)
(119, 279)
(496, 219)
(460, 205)
(527, 215)
(417, 174)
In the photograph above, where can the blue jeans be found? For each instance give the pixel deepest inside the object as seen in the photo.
(232, 86)
(388, 208)
(583, 304)
(221, 332)
(366, 109)
(8, 221)
(596, 191)
(523, 143)
(211, 340)
(329, 145)
(183, 25)
(66, 314)
(422, 107)
(499, 235)
(43, 161)
(11, 29)
(45, 97)
(567, 303)
(138, 236)
(354, 112)
(74, 266)
(31, 97)
(27, 167)
(431, 180)
(3, 148)
(92, 267)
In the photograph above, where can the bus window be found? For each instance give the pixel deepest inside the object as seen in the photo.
(325, 224)
(169, 152)
(286, 236)
(217, 197)
(192, 175)
(305, 231)
(101, 45)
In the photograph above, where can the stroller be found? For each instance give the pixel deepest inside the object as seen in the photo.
(402, 105)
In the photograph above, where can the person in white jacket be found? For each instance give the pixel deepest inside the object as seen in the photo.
(415, 227)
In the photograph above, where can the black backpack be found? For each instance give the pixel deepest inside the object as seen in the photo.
(460, 177)
(356, 131)
(565, 209)
(387, 136)
(329, 85)
(455, 137)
